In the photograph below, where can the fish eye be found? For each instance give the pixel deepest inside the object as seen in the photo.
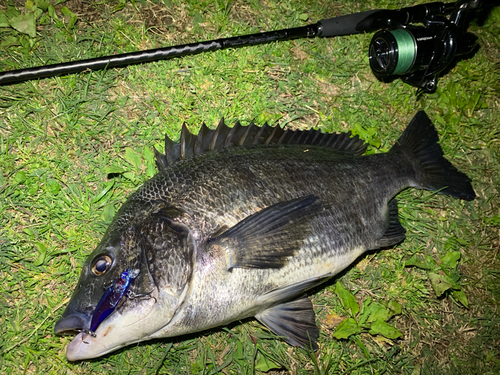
(101, 264)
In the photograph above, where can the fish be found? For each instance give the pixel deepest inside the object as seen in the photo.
(243, 222)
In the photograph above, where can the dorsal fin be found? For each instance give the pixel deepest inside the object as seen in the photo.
(223, 137)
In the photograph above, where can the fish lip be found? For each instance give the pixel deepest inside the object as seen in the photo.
(72, 348)
(76, 349)
(72, 323)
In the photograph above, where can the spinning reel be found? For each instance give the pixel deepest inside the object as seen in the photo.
(419, 54)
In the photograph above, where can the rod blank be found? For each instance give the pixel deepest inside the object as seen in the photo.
(106, 62)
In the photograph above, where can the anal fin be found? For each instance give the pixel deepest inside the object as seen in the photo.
(395, 232)
(294, 321)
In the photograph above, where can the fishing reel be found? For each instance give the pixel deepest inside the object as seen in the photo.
(419, 54)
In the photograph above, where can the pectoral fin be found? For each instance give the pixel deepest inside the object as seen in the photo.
(294, 321)
(268, 238)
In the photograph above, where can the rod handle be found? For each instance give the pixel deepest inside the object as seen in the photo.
(344, 25)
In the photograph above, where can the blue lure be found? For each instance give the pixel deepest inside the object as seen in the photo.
(112, 298)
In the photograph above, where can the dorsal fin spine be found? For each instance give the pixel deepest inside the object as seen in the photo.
(197, 142)
(229, 138)
(169, 147)
(273, 133)
(282, 138)
(259, 133)
(182, 142)
(223, 137)
(216, 134)
(245, 135)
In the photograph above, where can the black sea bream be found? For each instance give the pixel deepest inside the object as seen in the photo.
(241, 222)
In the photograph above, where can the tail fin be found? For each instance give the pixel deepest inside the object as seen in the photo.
(433, 172)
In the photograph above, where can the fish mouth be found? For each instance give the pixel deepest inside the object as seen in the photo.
(121, 328)
(83, 345)
(71, 324)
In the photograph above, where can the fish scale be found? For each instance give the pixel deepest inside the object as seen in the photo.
(241, 222)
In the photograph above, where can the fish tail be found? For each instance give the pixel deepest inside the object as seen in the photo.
(419, 143)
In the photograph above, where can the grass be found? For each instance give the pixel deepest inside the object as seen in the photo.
(60, 138)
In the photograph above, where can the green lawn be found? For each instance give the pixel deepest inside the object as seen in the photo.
(60, 138)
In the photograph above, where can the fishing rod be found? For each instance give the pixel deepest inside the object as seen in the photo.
(416, 54)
